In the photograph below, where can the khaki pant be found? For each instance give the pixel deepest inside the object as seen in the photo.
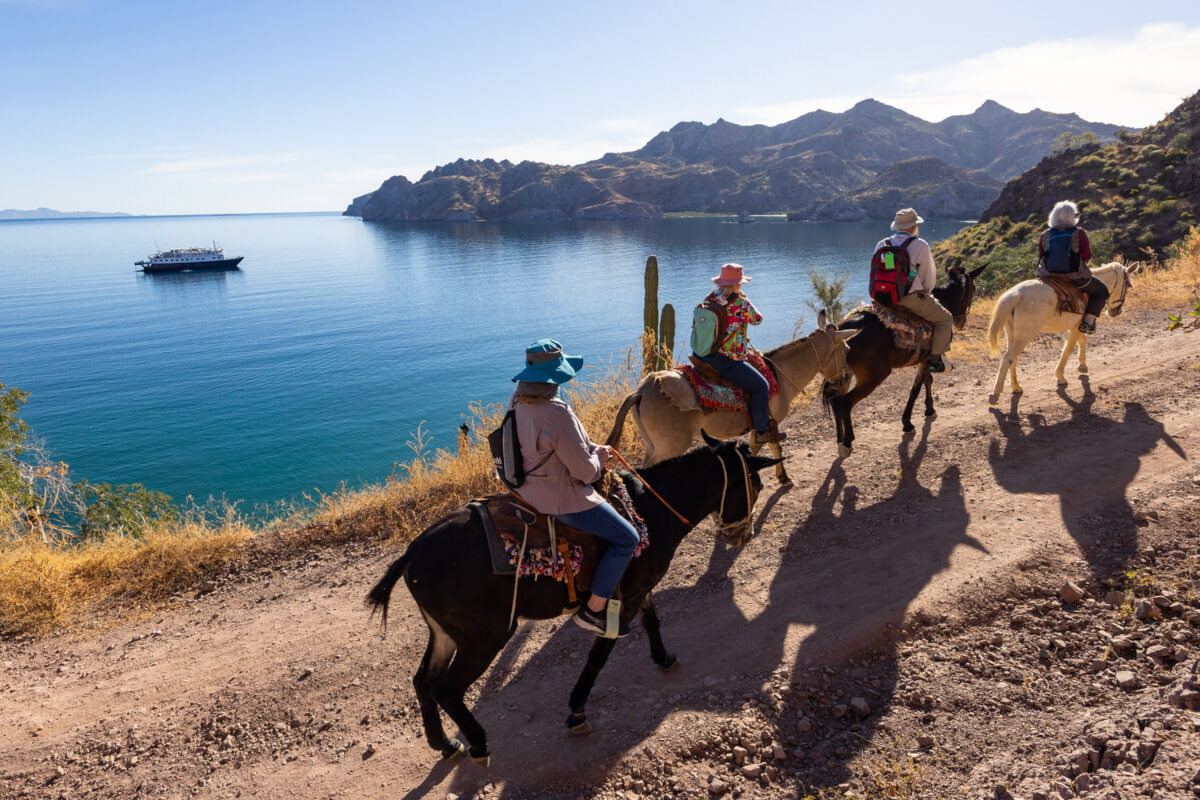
(927, 307)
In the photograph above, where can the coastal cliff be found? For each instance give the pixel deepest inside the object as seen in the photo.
(828, 165)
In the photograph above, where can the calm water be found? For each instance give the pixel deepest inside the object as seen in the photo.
(315, 363)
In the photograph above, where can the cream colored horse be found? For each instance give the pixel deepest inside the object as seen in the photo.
(669, 419)
(1031, 307)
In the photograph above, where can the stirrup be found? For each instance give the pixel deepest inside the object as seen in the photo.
(1085, 326)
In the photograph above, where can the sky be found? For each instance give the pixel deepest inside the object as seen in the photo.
(209, 106)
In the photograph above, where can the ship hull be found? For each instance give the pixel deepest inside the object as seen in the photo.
(193, 266)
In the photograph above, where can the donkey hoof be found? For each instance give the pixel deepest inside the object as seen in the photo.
(930, 414)
(1082, 369)
(1062, 381)
(483, 758)
(1017, 390)
(844, 450)
(785, 482)
(453, 750)
(670, 662)
(993, 399)
(909, 427)
(578, 725)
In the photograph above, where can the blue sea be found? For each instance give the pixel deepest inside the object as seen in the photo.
(313, 365)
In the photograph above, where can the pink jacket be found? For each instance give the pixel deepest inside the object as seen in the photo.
(550, 430)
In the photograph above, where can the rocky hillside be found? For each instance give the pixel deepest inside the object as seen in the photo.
(939, 190)
(818, 158)
(1136, 195)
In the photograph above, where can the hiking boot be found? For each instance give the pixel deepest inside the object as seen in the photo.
(597, 622)
(935, 364)
(1087, 324)
(766, 437)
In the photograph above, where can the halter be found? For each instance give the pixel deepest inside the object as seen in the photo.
(1125, 284)
(841, 369)
(724, 527)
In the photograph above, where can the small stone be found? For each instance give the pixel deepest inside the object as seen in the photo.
(778, 752)
(1115, 598)
(1126, 679)
(1159, 651)
(1146, 609)
(304, 673)
(1071, 592)
(925, 740)
(859, 706)
(718, 787)
(803, 725)
(752, 771)
(840, 710)
(740, 752)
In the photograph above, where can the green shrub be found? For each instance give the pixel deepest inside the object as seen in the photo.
(1090, 161)
(127, 510)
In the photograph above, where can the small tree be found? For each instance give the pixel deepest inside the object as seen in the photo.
(1073, 141)
(127, 510)
(829, 293)
(12, 439)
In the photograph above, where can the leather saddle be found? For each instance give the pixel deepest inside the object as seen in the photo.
(709, 373)
(1071, 299)
(505, 517)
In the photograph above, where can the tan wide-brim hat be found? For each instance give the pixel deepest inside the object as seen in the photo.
(906, 218)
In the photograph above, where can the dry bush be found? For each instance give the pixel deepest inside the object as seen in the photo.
(1171, 283)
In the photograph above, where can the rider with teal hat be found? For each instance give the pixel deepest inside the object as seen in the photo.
(561, 464)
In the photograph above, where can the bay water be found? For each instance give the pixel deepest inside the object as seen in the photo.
(314, 364)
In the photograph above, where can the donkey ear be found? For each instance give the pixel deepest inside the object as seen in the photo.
(847, 334)
(822, 320)
(1136, 268)
(756, 463)
(709, 440)
(975, 273)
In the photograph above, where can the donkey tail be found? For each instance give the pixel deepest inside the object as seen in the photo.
(631, 399)
(380, 595)
(1001, 314)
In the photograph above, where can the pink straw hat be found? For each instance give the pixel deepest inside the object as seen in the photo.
(731, 275)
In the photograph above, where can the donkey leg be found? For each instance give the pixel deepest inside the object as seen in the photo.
(1082, 368)
(906, 417)
(1068, 347)
(1012, 365)
(930, 411)
(437, 655)
(1005, 363)
(601, 648)
(469, 663)
(661, 655)
(780, 473)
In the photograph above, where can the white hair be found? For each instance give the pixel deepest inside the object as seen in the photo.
(1065, 214)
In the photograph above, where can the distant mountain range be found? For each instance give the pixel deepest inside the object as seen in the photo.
(859, 164)
(50, 213)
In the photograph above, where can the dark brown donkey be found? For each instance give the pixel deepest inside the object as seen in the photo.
(449, 573)
(873, 355)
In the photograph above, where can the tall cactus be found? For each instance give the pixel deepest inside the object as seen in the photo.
(650, 314)
(666, 337)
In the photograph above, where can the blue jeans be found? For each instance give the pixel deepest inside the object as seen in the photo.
(604, 521)
(750, 379)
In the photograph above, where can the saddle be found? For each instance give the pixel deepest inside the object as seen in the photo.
(523, 542)
(714, 393)
(1071, 299)
(909, 332)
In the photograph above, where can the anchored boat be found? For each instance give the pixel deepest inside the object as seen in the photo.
(188, 259)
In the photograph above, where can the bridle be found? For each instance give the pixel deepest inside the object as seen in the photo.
(821, 364)
(726, 528)
(1114, 310)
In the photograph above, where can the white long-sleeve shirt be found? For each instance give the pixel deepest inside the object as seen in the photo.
(919, 253)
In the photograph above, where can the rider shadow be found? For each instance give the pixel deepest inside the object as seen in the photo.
(1089, 462)
(848, 574)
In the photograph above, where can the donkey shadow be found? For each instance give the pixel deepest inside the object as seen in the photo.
(1088, 461)
(847, 573)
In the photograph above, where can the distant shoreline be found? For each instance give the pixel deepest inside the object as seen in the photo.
(171, 216)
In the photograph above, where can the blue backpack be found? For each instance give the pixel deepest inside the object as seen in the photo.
(1060, 248)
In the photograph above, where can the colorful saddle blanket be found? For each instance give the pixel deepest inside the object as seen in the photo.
(909, 332)
(1071, 299)
(716, 397)
(511, 526)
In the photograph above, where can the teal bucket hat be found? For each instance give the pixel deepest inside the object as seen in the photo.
(545, 363)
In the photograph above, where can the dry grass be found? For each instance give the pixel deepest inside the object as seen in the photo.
(1169, 284)
(970, 344)
(45, 585)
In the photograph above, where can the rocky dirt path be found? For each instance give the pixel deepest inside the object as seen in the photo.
(276, 685)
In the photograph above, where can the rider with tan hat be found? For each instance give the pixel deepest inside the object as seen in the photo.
(920, 300)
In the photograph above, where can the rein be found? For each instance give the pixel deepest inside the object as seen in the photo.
(724, 527)
(799, 390)
(670, 508)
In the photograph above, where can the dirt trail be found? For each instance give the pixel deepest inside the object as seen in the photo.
(275, 684)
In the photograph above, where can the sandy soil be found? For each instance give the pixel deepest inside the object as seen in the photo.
(895, 629)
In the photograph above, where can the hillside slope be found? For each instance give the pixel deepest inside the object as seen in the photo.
(1137, 196)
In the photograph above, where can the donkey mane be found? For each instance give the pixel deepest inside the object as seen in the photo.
(786, 346)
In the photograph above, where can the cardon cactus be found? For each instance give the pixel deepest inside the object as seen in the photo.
(666, 337)
(650, 312)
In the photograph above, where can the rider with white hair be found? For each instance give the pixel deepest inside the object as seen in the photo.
(1064, 250)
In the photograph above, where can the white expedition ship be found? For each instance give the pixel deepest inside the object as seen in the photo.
(190, 258)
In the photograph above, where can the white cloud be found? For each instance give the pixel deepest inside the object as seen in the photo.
(212, 164)
(1128, 78)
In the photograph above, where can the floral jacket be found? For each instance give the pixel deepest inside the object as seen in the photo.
(739, 312)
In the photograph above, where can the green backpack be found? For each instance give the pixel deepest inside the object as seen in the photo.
(708, 327)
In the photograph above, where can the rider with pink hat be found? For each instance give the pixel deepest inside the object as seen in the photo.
(729, 359)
